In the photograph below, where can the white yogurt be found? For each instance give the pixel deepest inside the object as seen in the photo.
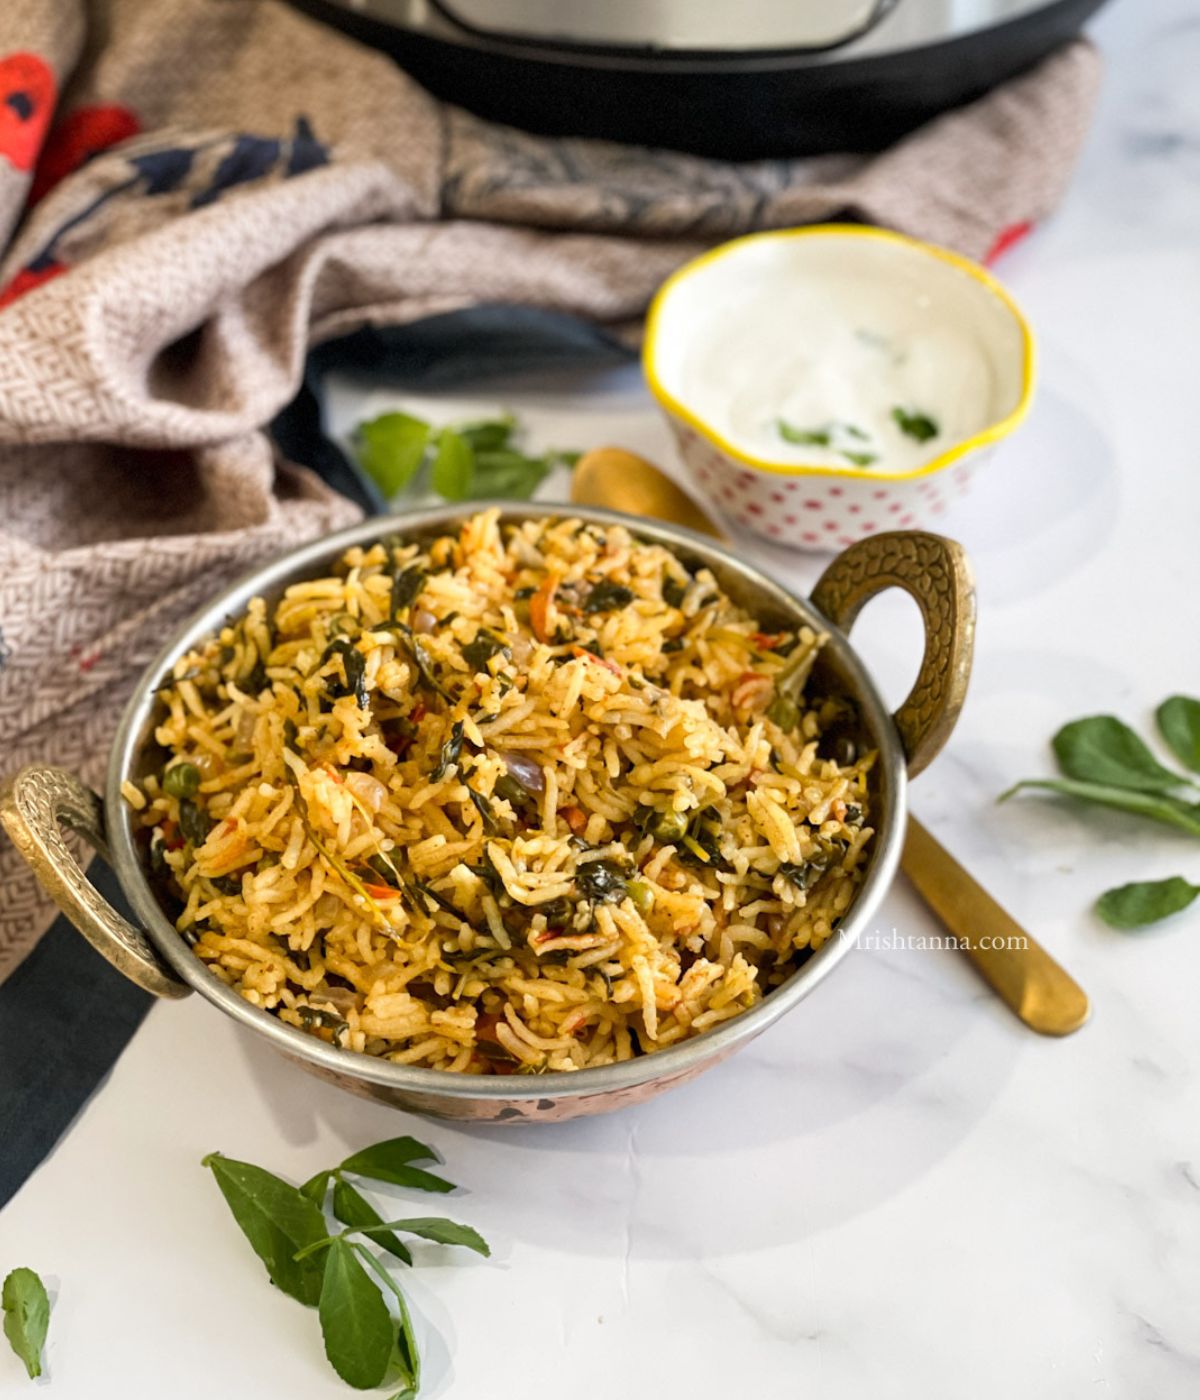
(838, 355)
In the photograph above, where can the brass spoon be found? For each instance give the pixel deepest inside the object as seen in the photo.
(1021, 973)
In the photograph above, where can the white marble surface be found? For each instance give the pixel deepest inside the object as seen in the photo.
(898, 1191)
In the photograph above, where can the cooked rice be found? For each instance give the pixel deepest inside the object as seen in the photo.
(586, 846)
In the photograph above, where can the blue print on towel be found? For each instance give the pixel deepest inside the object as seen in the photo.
(207, 169)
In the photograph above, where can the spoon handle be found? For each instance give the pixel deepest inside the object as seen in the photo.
(1020, 971)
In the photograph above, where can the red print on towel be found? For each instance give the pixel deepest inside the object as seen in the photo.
(1005, 239)
(30, 277)
(27, 92)
(76, 139)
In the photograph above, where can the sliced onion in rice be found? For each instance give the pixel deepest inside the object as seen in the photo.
(244, 733)
(527, 772)
(340, 998)
(369, 790)
(527, 553)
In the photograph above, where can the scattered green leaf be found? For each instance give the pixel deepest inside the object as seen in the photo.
(1102, 749)
(26, 1317)
(409, 1355)
(316, 1187)
(1170, 810)
(464, 461)
(1136, 905)
(355, 1322)
(1108, 764)
(433, 1227)
(1179, 722)
(341, 1275)
(277, 1218)
(488, 435)
(389, 1154)
(352, 1208)
(392, 1161)
(508, 475)
(391, 449)
(453, 466)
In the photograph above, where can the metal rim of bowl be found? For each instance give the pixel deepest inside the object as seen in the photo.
(668, 1063)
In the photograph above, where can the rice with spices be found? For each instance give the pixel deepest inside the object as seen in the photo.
(530, 798)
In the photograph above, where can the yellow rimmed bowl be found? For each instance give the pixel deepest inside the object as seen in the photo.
(813, 506)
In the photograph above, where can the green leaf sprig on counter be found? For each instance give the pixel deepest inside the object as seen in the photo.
(338, 1272)
(26, 1317)
(471, 461)
(1106, 763)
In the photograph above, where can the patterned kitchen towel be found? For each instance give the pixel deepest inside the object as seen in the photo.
(195, 192)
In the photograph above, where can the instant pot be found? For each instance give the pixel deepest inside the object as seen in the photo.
(757, 78)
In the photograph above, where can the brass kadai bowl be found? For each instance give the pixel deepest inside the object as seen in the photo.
(39, 801)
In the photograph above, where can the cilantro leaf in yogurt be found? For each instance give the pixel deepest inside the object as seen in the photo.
(832, 436)
(914, 424)
(803, 437)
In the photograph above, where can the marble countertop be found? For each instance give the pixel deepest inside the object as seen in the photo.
(897, 1191)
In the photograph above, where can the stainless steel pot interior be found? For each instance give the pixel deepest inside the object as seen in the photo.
(840, 672)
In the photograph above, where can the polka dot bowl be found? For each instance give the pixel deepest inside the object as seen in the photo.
(814, 506)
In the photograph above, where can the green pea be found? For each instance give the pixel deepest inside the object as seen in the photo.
(182, 780)
(641, 894)
(669, 826)
(784, 712)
